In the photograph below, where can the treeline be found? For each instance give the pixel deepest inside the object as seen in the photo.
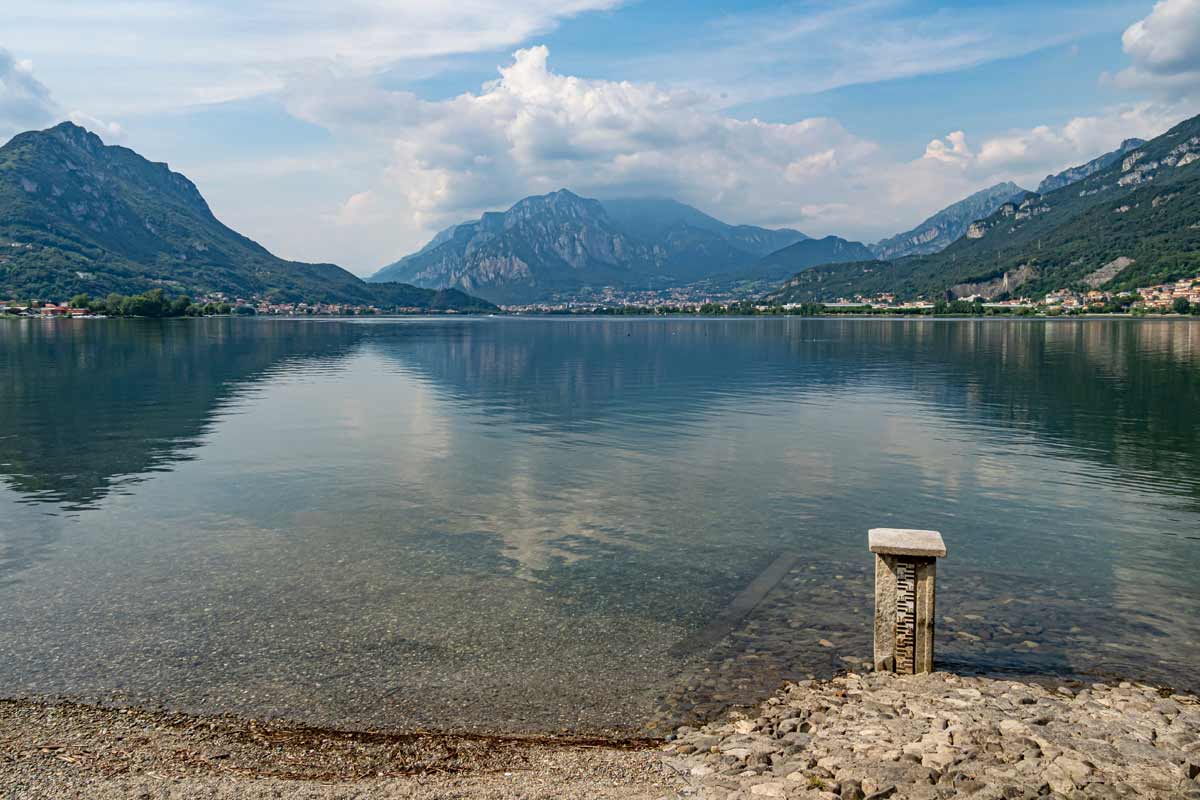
(750, 308)
(956, 308)
(742, 308)
(153, 303)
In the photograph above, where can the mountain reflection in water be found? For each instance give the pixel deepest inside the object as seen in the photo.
(507, 523)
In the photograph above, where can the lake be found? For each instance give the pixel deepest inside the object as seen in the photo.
(540, 524)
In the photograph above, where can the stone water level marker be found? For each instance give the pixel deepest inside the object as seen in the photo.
(905, 584)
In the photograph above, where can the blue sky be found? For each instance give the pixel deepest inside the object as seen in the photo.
(351, 132)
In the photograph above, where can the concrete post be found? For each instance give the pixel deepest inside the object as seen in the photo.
(905, 593)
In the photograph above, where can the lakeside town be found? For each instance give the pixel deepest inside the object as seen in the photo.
(1177, 297)
(215, 304)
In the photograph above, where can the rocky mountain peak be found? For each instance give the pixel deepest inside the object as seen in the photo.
(561, 204)
(948, 225)
(75, 136)
(1078, 173)
(556, 243)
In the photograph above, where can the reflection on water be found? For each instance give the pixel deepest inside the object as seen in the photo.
(514, 524)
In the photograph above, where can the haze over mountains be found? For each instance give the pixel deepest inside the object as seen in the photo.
(946, 226)
(77, 215)
(556, 245)
(1130, 220)
(80, 216)
(552, 247)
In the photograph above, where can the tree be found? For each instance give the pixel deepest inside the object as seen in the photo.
(1181, 305)
(80, 300)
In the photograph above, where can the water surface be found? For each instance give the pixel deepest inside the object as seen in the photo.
(536, 524)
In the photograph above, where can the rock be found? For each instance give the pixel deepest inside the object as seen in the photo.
(939, 759)
(852, 790)
(770, 789)
(1058, 779)
(931, 736)
(1078, 771)
(765, 747)
(1010, 727)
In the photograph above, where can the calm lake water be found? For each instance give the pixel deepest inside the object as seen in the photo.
(539, 524)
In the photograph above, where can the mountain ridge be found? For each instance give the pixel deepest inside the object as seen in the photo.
(81, 216)
(1132, 223)
(1078, 173)
(805, 254)
(515, 256)
(944, 228)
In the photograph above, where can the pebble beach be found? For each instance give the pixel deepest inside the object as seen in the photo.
(855, 736)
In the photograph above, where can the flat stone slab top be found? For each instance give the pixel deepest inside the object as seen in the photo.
(900, 542)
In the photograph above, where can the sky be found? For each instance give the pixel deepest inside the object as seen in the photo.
(351, 132)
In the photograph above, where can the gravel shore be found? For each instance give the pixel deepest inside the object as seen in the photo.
(849, 738)
(940, 735)
(73, 751)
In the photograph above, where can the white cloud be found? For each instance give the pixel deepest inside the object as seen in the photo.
(24, 101)
(534, 130)
(1027, 155)
(1164, 48)
(166, 54)
(391, 167)
(1035, 152)
(1167, 41)
(952, 150)
(810, 166)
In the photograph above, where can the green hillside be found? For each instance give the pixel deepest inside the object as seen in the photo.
(1134, 223)
(77, 215)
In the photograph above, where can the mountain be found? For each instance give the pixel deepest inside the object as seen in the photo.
(542, 246)
(690, 244)
(77, 215)
(1074, 174)
(948, 225)
(560, 243)
(805, 254)
(1132, 223)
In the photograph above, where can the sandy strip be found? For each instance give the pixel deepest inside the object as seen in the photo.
(65, 750)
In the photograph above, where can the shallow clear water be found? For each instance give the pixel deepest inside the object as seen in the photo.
(537, 524)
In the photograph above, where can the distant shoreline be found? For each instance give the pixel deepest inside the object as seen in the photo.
(601, 314)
